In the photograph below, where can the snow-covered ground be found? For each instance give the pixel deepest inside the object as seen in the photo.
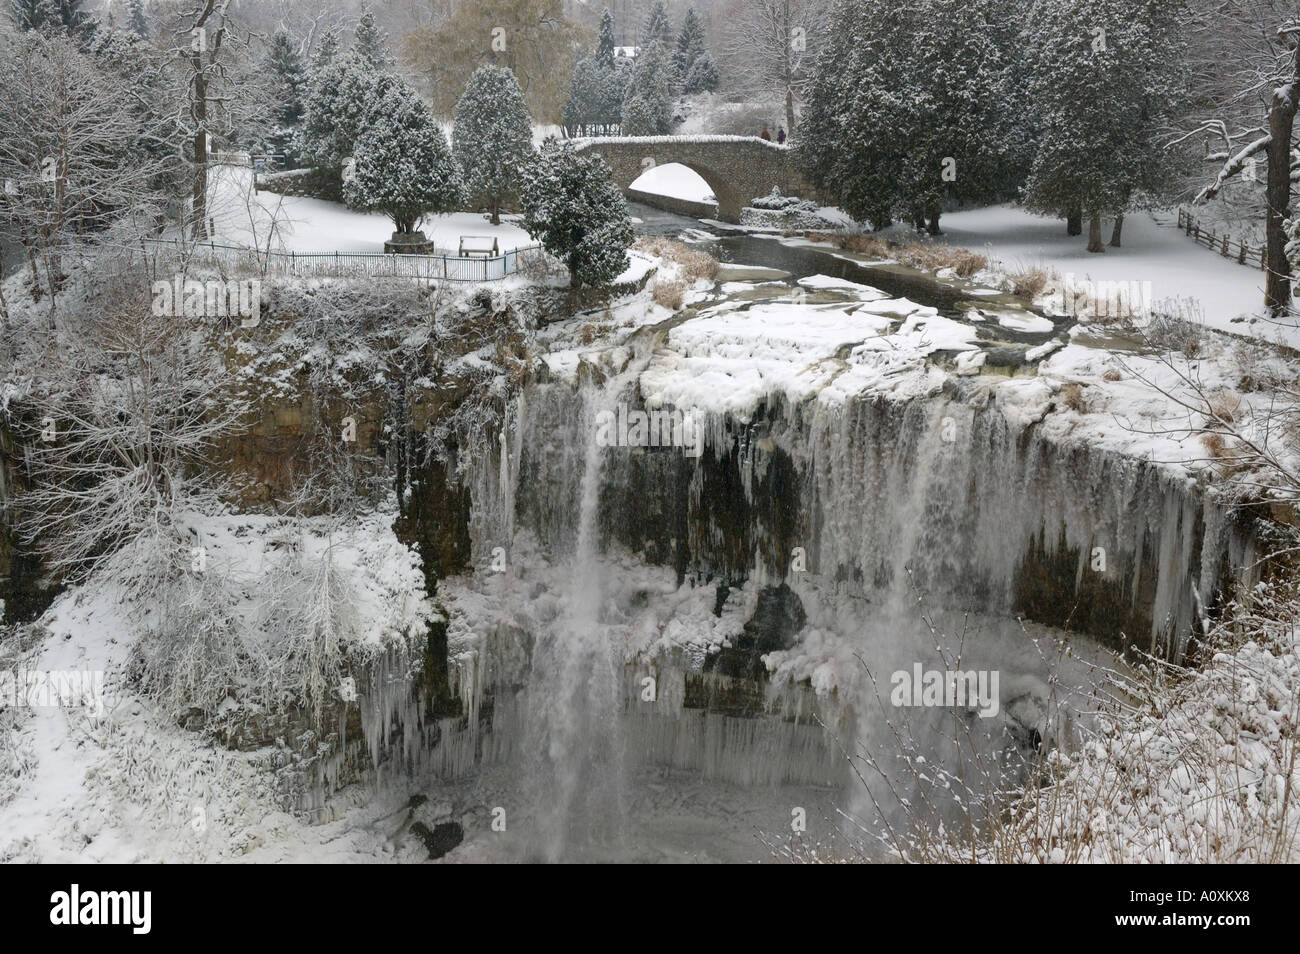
(299, 224)
(125, 784)
(1154, 250)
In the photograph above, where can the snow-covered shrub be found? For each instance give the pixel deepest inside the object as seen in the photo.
(578, 214)
(777, 202)
(404, 167)
(1178, 327)
(276, 619)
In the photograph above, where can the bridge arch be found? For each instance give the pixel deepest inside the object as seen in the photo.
(737, 168)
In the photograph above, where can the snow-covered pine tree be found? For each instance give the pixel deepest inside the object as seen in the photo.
(962, 138)
(1105, 77)
(404, 167)
(326, 51)
(605, 39)
(691, 58)
(910, 106)
(650, 93)
(658, 27)
(702, 77)
(599, 85)
(372, 43)
(340, 99)
(135, 20)
(639, 118)
(493, 138)
(288, 77)
(658, 31)
(850, 143)
(67, 16)
(574, 209)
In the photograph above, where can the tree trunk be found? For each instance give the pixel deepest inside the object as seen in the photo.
(496, 213)
(932, 214)
(789, 113)
(200, 210)
(1074, 221)
(1114, 233)
(1281, 117)
(1094, 233)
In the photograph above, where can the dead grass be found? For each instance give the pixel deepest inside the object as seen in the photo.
(1227, 456)
(1032, 281)
(1223, 407)
(934, 256)
(931, 256)
(670, 293)
(1072, 395)
(693, 263)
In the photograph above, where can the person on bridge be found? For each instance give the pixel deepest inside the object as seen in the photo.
(780, 135)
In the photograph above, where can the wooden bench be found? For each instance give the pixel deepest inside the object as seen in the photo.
(479, 245)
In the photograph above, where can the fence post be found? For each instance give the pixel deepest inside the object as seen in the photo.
(1224, 253)
(1242, 257)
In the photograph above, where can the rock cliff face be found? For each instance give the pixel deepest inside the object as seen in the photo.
(937, 494)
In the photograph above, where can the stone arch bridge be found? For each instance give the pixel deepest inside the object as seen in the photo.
(737, 168)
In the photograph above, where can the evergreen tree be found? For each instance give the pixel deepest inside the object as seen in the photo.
(327, 50)
(493, 137)
(639, 118)
(598, 87)
(403, 165)
(288, 77)
(658, 28)
(135, 21)
(372, 44)
(605, 44)
(912, 106)
(577, 213)
(691, 59)
(1105, 76)
(340, 100)
(702, 76)
(648, 105)
(52, 16)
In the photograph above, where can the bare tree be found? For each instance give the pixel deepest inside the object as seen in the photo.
(222, 93)
(118, 436)
(770, 45)
(1254, 116)
(64, 172)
